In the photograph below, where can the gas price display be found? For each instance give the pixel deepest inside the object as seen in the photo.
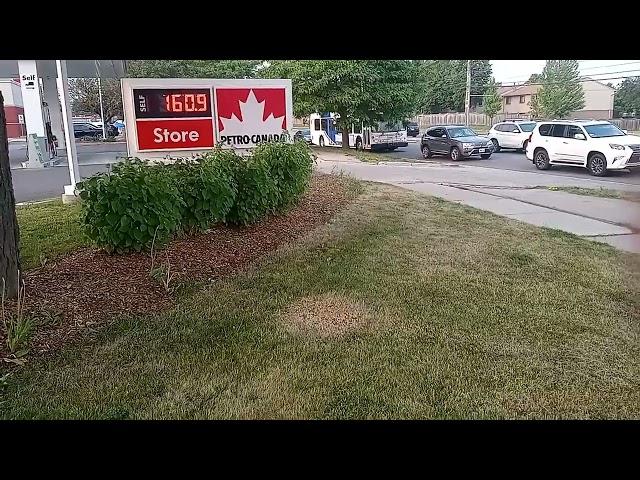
(172, 102)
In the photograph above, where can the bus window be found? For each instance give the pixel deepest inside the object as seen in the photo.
(316, 124)
(357, 128)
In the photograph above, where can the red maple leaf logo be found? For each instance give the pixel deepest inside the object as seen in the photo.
(229, 99)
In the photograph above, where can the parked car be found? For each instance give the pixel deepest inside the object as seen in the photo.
(457, 141)
(511, 134)
(598, 146)
(412, 129)
(86, 131)
(304, 134)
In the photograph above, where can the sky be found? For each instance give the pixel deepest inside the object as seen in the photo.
(520, 70)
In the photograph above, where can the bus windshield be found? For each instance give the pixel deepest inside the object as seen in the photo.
(382, 127)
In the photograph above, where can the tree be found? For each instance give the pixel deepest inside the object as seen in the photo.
(9, 231)
(480, 78)
(193, 68)
(367, 91)
(86, 99)
(535, 78)
(561, 92)
(535, 108)
(627, 98)
(442, 83)
(492, 100)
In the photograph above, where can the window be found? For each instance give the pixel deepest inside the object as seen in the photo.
(572, 131)
(461, 132)
(545, 129)
(436, 132)
(357, 128)
(603, 130)
(501, 127)
(316, 124)
(508, 101)
(558, 130)
(523, 98)
(527, 127)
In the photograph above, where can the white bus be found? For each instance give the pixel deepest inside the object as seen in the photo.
(386, 136)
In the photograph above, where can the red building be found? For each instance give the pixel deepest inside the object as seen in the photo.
(13, 109)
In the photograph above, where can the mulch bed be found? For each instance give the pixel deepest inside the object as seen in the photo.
(89, 287)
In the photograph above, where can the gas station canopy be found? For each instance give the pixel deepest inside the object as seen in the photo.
(75, 68)
(47, 109)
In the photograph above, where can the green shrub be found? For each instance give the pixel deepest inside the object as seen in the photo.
(123, 210)
(257, 194)
(207, 187)
(290, 166)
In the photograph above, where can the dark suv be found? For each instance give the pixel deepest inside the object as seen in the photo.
(412, 129)
(457, 141)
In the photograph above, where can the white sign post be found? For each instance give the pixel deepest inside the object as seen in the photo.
(72, 157)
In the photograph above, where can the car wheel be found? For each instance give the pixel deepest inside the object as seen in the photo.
(321, 141)
(496, 146)
(485, 157)
(455, 154)
(541, 159)
(597, 165)
(524, 146)
(358, 143)
(426, 151)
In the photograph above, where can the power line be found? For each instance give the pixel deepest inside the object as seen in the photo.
(609, 66)
(583, 69)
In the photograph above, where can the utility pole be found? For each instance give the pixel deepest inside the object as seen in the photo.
(467, 98)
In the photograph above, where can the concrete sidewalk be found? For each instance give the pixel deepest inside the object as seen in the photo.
(516, 195)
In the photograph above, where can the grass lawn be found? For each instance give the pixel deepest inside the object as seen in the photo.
(599, 192)
(47, 230)
(403, 306)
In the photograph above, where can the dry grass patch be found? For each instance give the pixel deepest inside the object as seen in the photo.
(328, 315)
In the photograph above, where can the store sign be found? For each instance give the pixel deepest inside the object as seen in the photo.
(166, 117)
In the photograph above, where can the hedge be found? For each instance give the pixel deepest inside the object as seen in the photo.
(125, 209)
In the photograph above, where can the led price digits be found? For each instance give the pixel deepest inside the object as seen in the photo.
(186, 102)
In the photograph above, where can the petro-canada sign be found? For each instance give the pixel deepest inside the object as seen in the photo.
(181, 117)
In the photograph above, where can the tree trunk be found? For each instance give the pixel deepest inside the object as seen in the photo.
(345, 137)
(9, 233)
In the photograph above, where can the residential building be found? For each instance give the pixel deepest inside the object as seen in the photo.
(598, 100)
(13, 107)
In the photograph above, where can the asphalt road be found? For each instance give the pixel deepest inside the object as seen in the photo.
(32, 185)
(513, 160)
(38, 184)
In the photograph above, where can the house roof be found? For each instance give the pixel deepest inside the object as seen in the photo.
(589, 79)
(521, 90)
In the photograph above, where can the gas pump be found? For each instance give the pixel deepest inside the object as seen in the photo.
(43, 147)
(52, 141)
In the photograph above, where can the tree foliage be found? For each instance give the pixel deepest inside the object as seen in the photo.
(193, 68)
(365, 91)
(492, 99)
(561, 92)
(627, 98)
(442, 84)
(86, 99)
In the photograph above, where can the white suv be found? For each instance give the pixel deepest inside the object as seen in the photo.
(511, 134)
(597, 145)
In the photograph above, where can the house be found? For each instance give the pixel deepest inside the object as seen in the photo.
(516, 101)
(13, 108)
(598, 100)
